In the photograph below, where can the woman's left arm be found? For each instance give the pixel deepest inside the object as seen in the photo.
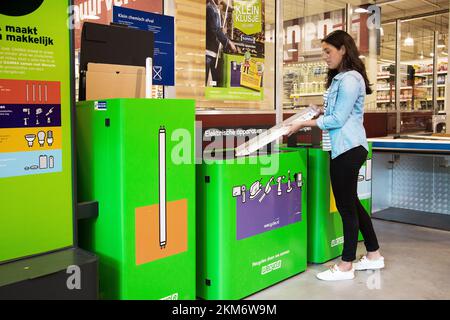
(348, 93)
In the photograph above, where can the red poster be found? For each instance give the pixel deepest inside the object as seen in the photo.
(100, 11)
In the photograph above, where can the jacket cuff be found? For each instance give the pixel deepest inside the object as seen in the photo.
(320, 123)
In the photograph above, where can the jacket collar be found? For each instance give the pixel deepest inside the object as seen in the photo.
(340, 75)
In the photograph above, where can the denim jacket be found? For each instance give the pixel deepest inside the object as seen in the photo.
(344, 114)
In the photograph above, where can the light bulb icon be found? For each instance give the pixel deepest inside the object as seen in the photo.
(30, 138)
(41, 138)
(50, 138)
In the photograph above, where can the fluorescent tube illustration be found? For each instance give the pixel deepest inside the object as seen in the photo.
(30, 138)
(162, 189)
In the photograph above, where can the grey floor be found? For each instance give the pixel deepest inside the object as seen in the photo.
(417, 267)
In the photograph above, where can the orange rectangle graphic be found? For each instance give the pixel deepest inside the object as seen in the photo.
(148, 245)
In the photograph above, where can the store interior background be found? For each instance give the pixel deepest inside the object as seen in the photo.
(303, 70)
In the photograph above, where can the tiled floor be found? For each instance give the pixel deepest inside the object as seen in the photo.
(417, 267)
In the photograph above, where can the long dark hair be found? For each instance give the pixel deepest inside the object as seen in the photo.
(351, 60)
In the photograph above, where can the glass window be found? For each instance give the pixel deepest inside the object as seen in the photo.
(211, 70)
(304, 72)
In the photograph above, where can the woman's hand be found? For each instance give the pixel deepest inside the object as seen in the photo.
(293, 128)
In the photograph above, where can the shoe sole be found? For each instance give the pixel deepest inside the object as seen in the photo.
(335, 279)
(374, 268)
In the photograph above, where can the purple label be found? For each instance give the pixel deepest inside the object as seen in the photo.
(30, 115)
(268, 210)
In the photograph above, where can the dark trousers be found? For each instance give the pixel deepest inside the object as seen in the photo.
(344, 171)
(211, 66)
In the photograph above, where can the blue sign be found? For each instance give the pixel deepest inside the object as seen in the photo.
(163, 29)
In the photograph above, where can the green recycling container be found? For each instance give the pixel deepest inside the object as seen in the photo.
(135, 157)
(251, 222)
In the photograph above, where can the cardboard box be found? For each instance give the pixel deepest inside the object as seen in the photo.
(108, 81)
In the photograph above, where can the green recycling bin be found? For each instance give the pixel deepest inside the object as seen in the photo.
(136, 159)
(251, 223)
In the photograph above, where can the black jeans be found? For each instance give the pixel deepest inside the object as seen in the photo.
(344, 171)
(211, 65)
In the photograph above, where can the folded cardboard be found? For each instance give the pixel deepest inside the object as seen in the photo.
(107, 81)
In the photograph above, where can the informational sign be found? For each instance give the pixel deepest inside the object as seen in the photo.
(36, 176)
(100, 11)
(234, 50)
(268, 204)
(163, 30)
(30, 127)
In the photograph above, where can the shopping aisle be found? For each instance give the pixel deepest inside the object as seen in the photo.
(417, 264)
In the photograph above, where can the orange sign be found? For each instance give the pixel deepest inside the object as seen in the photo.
(148, 245)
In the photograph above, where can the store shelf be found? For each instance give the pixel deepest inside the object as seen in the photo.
(393, 100)
(384, 77)
(430, 73)
(388, 89)
(306, 94)
(430, 86)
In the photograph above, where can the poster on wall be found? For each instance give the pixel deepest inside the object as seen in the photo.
(163, 30)
(36, 173)
(234, 57)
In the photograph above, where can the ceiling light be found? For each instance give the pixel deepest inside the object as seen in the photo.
(409, 42)
(292, 50)
(381, 31)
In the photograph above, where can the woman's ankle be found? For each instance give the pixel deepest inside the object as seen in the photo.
(345, 266)
(373, 255)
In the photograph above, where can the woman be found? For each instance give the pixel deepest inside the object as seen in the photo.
(345, 138)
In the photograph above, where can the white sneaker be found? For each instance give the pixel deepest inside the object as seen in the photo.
(334, 274)
(365, 264)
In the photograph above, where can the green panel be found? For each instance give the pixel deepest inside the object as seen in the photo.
(36, 206)
(119, 167)
(228, 268)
